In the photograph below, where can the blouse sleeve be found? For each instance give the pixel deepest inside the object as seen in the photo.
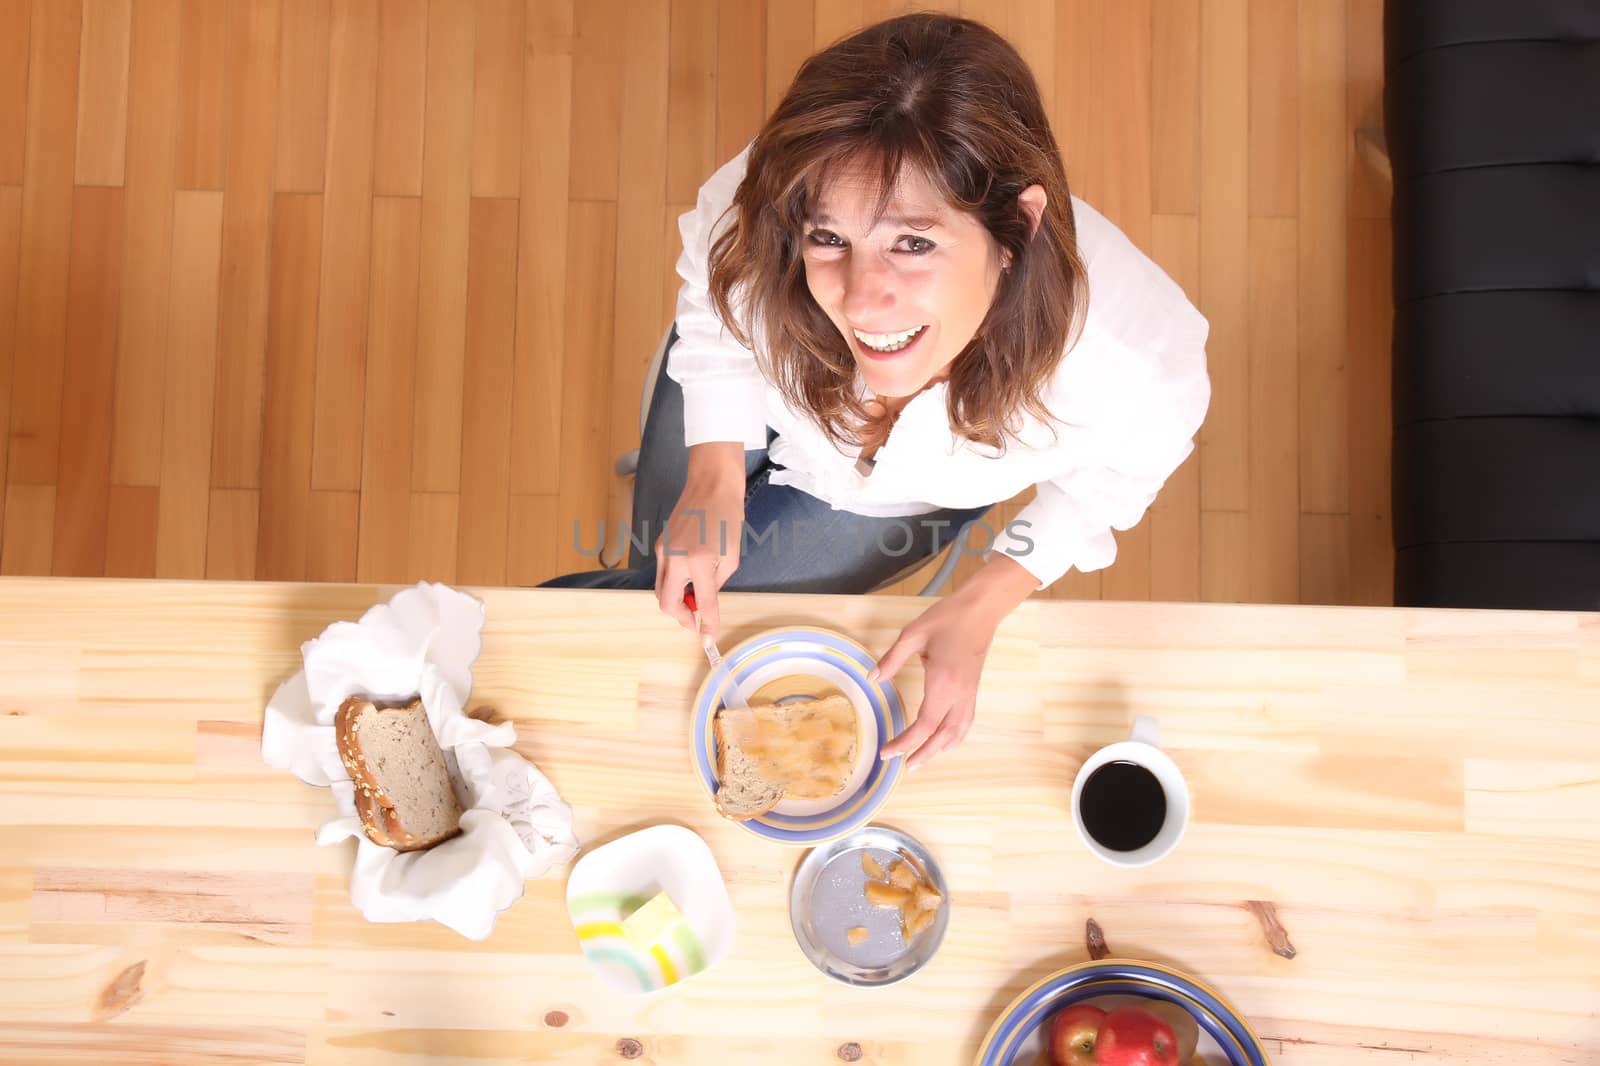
(1144, 391)
(724, 391)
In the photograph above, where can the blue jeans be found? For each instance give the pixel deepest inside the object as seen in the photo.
(792, 541)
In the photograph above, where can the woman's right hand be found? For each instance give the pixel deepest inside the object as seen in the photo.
(701, 542)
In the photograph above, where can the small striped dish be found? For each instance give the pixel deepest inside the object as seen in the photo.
(785, 660)
(1016, 1036)
(613, 880)
(597, 921)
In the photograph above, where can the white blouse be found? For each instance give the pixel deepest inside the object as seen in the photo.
(1132, 393)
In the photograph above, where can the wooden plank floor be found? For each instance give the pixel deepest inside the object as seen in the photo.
(340, 289)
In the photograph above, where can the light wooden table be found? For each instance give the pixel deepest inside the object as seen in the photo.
(1417, 793)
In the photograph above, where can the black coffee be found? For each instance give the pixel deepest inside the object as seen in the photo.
(1123, 806)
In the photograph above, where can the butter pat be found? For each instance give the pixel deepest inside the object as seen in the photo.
(650, 924)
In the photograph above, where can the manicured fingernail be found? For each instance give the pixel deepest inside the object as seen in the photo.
(872, 675)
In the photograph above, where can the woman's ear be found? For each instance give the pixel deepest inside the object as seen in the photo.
(1033, 200)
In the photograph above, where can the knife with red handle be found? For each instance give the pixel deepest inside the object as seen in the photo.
(731, 696)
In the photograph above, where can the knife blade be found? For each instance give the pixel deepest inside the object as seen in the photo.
(723, 676)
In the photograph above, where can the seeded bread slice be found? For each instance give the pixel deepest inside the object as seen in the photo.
(403, 791)
(769, 751)
(743, 791)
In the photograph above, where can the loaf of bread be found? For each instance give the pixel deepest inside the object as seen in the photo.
(403, 790)
(765, 753)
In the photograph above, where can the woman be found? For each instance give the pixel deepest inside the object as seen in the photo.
(894, 315)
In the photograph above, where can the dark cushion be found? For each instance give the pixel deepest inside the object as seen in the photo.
(1519, 575)
(1476, 105)
(1483, 479)
(1492, 113)
(1493, 228)
(1482, 354)
(1412, 26)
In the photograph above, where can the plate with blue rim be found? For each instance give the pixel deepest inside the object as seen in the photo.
(807, 662)
(1017, 1036)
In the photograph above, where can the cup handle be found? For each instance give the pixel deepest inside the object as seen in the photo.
(1146, 731)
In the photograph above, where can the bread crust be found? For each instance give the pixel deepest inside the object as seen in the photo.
(372, 819)
(379, 819)
(722, 774)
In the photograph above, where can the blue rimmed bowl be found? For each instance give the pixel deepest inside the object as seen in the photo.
(808, 661)
(1018, 1035)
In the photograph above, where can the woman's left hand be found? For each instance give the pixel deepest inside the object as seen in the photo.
(952, 641)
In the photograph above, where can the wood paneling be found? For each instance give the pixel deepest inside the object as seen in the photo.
(485, 499)
(190, 382)
(1274, 411)
(1273, 49)
(1225, 565)
(15, 20)
(231, 523)
(1175, 516)
(201, 160)
(1367, 417)
(83, 477)
(288, 392)
(331, 536)
(790, 30)
(597, 75)
(1175, 107)
(302, 94)
(10, 262)
(497, 99)
(1224, 252)
(153, 114)
(432, 536)
(395, 388)
(446, 209)
(692, 151)
(586, 379)
(740, 76)
(347, 229)
(41, 322)
(132, 533)
(402, 53)
(1323, 450)
(1363, 81)
(390, 384)
(536, 420)
(250, 81)
(103, 92)
(641, 198)
(26, 543)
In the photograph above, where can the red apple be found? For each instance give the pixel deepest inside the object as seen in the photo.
(1072, 1035)
(1132, 1036)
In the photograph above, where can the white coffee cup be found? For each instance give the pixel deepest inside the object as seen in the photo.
(1141, 748)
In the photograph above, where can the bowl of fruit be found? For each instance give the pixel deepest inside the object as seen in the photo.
(1120, 1012)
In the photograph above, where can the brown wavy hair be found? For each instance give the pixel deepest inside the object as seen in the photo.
(953, 99)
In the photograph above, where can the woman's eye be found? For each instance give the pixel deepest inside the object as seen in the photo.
(824, 238)
(916, 245)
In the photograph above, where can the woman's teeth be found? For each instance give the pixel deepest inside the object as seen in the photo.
(888, 342)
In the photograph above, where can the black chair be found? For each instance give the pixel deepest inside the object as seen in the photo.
(1492, 116)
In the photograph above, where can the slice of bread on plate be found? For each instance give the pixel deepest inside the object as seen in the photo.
(770, 752)
(403, 790)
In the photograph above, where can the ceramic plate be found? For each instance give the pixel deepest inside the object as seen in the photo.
(614, 880)
(1223, 1037)
(798, 662)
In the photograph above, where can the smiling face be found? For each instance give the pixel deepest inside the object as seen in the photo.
(908, 291)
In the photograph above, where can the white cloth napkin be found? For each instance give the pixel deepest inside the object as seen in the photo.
(422, 643)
